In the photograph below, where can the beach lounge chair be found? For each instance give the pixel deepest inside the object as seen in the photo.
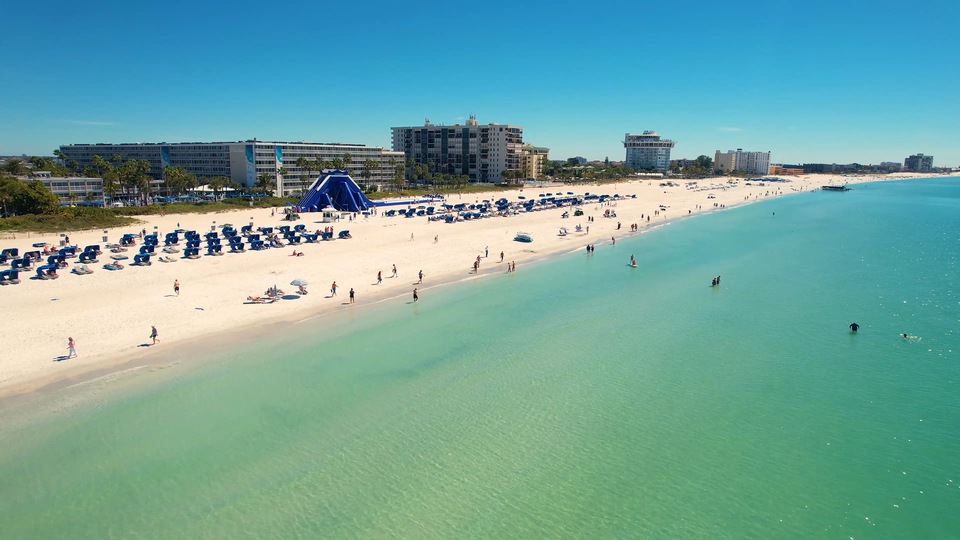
(142, 259)
(80, 270)
(246, 229)
(23, 263)
(344, 235)
(47, 271)
(191, 253)
(147, 248)
(93, 247)
(214, 249)
(9, 277)
(10, 253)
(301, 228)
(128, 240)
(211, 234)
(311, 238)
(115, 265)
(165, 259)
(88, 257)
(284, 229)
(171, 239)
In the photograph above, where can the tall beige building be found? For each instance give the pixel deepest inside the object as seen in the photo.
(748, 162)
(481, 152)
(532, 159)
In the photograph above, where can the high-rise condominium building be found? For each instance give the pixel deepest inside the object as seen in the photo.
(647, 151)
(482, 153)
(748, 162)
(244, 161)
(918, 163)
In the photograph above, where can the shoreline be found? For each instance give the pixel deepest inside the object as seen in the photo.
(106, 311)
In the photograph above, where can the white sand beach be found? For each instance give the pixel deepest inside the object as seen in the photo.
(110, 313)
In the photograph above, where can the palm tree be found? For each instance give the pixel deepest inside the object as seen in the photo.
(368, 166)
(347, 158)
(16, 167)
(264, 183)
(61, 156)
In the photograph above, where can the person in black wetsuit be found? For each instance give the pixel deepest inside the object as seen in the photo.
(854, 327)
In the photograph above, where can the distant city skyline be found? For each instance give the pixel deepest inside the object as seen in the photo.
(809, 82)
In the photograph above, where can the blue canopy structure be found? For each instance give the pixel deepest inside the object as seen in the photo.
(334, 188)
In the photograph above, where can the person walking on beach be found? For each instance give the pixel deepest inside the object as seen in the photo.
(176, 287)
(501, 256)
(486, 252)
(71, 348)
(379, 277)
(333, 289)
(154, 335)
(394, 270)
(351, 295)
(420, 275)
(415, 297)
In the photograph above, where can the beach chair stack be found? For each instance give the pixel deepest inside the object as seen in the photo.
(236, 244)
(142, 258)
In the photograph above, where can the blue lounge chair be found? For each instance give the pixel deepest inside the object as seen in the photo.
(142, 259)
(147, 248)
(284, 229)
(301, 228)
(24, 263)
(344, 234)
(57, 260)
(128, 240)
(214, 249)
(246, 229)
(10, 253)
(171, 239)
(212, 234)
(47, 271)
(191, 253)
(150, 239)
(9, 277)
(236, 246)
(310, 237)
(88, 257)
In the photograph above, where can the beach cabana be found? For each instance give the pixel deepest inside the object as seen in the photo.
(334, 189)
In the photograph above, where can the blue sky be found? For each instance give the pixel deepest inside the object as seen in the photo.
(816, 81)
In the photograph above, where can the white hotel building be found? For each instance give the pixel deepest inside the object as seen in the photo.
(647, 151)
(244, 161)
(480, 152)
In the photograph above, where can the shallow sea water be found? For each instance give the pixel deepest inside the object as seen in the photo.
(575, 398)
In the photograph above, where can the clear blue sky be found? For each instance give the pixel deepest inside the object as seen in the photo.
(810, 81)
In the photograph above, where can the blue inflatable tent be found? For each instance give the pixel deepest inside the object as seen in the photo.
(334, 188)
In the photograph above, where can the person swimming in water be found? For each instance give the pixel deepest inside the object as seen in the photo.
(854, 327)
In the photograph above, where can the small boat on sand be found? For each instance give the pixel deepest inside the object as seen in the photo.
(523, 237)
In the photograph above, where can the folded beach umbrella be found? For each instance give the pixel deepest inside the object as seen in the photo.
(299, 282)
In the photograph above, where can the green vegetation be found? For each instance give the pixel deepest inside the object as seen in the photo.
(65, 219)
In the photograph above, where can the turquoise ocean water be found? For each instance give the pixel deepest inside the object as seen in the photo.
(577, 398)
